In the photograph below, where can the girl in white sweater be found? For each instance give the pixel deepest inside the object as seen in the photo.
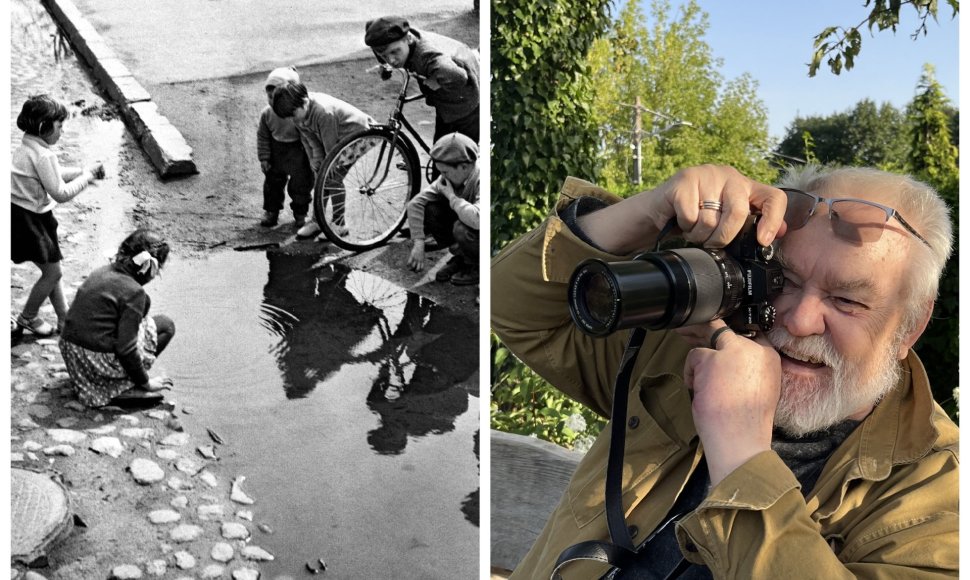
(37, 184)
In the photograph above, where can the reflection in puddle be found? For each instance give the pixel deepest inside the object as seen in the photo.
(345, 398)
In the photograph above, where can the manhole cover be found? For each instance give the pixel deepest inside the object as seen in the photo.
(39, 514)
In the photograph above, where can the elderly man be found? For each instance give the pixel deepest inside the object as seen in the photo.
(814, 451)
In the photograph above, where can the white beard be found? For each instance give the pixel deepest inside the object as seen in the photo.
(808, 405)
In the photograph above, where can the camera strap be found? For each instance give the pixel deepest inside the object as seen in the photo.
(620, 552)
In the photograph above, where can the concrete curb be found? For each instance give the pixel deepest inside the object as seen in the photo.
(161, 141)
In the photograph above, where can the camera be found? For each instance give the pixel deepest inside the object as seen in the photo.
(680, 287)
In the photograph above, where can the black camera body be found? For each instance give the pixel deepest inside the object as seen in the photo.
(674, 288)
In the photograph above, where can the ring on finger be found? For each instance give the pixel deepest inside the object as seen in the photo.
(710, 204)
(717, 334)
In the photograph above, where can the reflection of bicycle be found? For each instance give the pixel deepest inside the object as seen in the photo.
(361, 194)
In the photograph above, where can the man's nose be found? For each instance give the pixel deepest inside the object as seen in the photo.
(803, 315)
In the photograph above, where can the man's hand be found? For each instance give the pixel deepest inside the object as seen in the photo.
(735, 392)
(430, 82)
(416, 259)
(264, 165)
(634, 224)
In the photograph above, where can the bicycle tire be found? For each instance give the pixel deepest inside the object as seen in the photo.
(360, 196)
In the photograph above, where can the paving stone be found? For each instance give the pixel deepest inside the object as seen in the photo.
(221, 552)
(146, 471)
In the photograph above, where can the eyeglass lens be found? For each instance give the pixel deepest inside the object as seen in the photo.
(855, 221)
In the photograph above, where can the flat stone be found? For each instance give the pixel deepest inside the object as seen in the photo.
(167, 454)
(62, 450)
(238, 495)
(185, 533)
(67, 422)
(163, 517)
(66, 435)
(125, 572)
(207, 451)
(184, 560)
(245, 515)
(108, 446)
(179, 502)
(16, 457)
(221, 552)
(26, 424)
(146, 471)
(102, 430)
(209, 479)
(256, 553)
(32, 456)
(213, 571)
(156, 568)
(39, 411)
(208, 513)
(32, 445)
(175, 440)
(159, 414)
(245, 574)
(234, 531)
(138, 432)
(31, 575)
(178, 484)
(130, 419)
(76, 406)
(186, 465)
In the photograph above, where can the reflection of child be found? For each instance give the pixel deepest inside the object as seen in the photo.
(322, 121)
(282, 158)
(447, 71)
(109, 341)
(37, 184)
(448, 210)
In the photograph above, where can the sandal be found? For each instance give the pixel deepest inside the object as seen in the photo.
(36, 325)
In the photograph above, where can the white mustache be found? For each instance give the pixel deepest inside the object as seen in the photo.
(814, 348)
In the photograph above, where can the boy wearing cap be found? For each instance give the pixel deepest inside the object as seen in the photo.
(282, 158)
(448, 210)
(446, 69)
(322, 121)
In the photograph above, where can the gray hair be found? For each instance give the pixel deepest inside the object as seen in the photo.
(919, 203)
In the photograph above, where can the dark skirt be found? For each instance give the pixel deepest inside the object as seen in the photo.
(33, 236)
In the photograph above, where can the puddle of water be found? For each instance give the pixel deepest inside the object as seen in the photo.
(343, 399)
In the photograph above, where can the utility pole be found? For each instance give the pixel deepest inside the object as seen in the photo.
(638, 110)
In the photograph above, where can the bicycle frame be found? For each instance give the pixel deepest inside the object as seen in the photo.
(395, 123)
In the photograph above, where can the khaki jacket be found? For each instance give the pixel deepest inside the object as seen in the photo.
(885, 505)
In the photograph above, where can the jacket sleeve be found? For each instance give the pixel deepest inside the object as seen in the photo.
(263, 137)
(908, 529)
(531, 316)
(51, 178)
(126, 347)
(313, 147)
(466, 205)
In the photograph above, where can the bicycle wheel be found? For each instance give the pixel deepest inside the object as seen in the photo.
(360, 197)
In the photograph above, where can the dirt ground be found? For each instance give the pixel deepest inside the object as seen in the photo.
(216, 210)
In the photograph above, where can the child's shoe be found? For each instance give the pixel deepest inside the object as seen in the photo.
(36, 325)
(466, 276)
(451, 267)
(309, 230)
(270, 219)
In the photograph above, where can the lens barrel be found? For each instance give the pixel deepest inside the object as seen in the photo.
(656, 290)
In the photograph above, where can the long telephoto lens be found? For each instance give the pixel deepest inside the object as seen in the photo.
(657, 290)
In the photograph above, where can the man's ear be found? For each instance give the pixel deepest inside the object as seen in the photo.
(913, 335)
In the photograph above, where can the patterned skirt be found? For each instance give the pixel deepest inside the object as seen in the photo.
(98, 376)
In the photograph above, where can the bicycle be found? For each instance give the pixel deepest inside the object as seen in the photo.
(368, 179)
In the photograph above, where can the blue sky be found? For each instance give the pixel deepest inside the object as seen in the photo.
(772, 41)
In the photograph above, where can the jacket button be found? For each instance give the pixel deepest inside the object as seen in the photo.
(633, 531)
(634, 422)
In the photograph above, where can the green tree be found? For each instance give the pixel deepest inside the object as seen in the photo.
(542, 131)
(542, 128)
(934, 159)
(839, 46)
(668, 68)
(864, 135)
